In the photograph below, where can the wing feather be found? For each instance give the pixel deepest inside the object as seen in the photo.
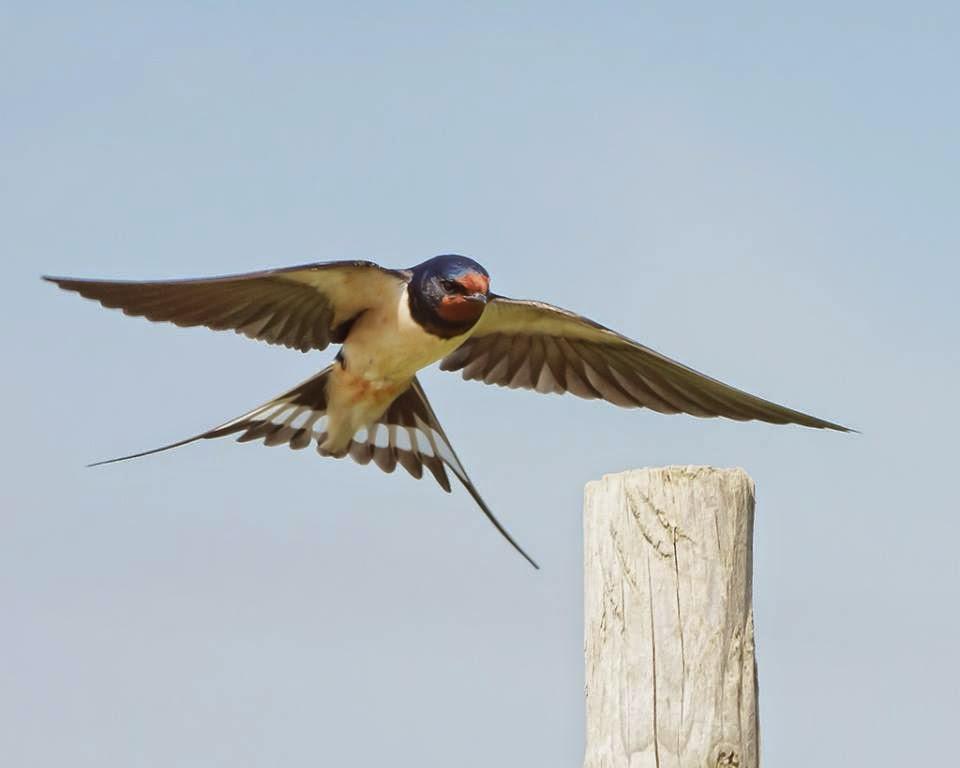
(297, 307)
(553, 350)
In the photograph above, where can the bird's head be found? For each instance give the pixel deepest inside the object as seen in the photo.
(448, 294)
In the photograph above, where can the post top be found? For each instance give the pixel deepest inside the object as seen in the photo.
(674, 472)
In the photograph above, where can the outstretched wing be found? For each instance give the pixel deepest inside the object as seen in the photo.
(537, 346)
(303, 307)
(408, 434)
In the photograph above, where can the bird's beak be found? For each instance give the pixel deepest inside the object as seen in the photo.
(480, 298)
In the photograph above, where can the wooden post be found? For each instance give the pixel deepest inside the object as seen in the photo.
(671, 678)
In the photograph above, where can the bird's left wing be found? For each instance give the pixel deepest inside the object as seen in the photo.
(303, 307)
(534, 345)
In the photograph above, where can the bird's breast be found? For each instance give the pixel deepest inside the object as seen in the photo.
(387, 344)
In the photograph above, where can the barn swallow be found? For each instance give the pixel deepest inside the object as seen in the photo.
(390, 323)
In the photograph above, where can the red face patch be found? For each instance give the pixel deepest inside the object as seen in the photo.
(459, 309)
(475, 282)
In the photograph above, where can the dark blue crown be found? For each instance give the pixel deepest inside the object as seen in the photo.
(448, 266)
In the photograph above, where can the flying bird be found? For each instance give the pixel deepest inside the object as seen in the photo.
(390, 323)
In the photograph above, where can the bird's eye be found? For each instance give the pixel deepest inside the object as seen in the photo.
(450, 286)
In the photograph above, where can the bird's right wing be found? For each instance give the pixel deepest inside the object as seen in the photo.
(303, 307)
(534, 345)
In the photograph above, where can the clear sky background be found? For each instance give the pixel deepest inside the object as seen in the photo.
(768, 193)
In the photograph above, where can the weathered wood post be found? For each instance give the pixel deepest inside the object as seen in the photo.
(671, 677)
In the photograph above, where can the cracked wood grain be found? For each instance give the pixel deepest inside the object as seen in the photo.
(669, 646)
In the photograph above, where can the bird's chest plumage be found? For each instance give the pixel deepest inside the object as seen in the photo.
(380, 356)
(386, 345)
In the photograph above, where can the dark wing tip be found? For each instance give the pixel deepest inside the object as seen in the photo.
(841, 428)
(66, 283)
(805, 420)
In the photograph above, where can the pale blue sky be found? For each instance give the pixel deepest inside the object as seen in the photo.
(769, 194)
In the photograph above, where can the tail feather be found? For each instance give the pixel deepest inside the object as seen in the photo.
(161, 449)
(310, 396)
(408, 433)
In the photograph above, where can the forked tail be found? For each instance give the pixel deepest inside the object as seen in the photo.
(408, 434)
